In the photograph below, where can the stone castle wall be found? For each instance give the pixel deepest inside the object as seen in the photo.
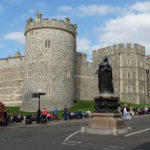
(86, 83)
(11, 80)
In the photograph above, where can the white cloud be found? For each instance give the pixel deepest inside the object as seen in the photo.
(65, 8)
(15, 36)
(84, 45)
(91, 10)
(133, 28)
(141, 6)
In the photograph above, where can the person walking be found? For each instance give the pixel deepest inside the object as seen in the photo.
(126, 112)
(55, 113)
(5, 118)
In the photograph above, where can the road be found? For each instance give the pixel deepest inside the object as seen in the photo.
(66, 136)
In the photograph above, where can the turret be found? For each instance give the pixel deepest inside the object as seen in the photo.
(50, 47)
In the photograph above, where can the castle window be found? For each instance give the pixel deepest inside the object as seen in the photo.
(49, 90)
(29, 74)
(142, 89)
(1, 79)
(68, 73)
(128, 62)
(129, 75)
(129, 89)
(47, 43)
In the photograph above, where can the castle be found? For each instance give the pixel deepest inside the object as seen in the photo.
(52, 65)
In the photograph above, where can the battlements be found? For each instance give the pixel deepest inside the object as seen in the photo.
(50, 23)
(120, 48)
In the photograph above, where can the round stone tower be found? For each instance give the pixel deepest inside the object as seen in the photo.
(50, 47)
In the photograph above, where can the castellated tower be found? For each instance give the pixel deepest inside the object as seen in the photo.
(50, 47)
(130, 72)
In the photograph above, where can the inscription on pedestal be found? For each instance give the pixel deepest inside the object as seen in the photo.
(106, 104)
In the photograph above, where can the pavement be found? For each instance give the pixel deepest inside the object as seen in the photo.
(49, 123)
(65, 135)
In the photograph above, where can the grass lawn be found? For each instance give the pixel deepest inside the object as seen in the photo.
(78, 106)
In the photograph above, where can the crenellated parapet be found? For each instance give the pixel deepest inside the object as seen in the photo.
(39, 23)
(119, 48)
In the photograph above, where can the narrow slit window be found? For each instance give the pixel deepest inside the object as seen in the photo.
(68, 73)
(49, 90)
(1, 79)
(47, 43)
(29, 74)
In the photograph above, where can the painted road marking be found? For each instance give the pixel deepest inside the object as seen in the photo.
(74, 142)
(112, 147)
(67, 142)
(127, 135)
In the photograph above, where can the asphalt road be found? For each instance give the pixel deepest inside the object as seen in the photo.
(66, 136)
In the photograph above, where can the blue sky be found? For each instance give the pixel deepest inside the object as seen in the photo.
(100, 22)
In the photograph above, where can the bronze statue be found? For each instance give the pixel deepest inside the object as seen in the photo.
(105, 78)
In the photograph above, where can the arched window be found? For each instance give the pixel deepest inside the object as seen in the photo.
(29, 74)
(129, 89)
(47, 43)
(128, 62)
(68, 73)
(129, 75)
(141, 89)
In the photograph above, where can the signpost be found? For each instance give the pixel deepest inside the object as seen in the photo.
(37, 95)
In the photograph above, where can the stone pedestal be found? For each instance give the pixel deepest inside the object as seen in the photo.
(106, 119)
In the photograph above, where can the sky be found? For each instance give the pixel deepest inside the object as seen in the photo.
(100, 22)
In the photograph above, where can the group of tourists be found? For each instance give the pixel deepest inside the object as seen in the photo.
(8, 118)
(68, 115)
(39, 117)
(128, 111)
(42, 117)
